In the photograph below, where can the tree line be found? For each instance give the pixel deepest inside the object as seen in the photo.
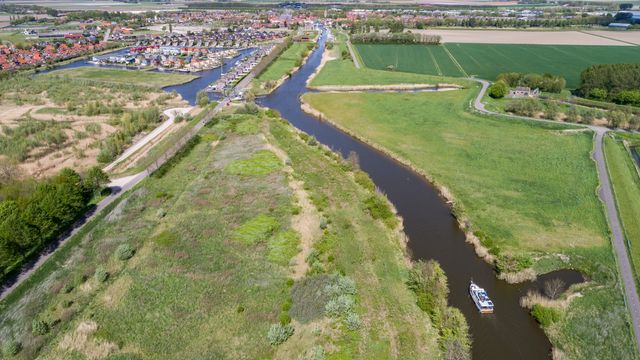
(545, 82)
(618, 83)
(395, 38)
(33, 213)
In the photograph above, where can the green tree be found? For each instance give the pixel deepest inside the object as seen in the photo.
(498, 90)
(202, 98)
(95, 179)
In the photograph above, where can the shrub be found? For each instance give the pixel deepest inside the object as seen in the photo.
(286, 306)
(363, 179)
(39, 327)
(598, 94)
(279, 333)
(11, 348)
(101, 275)
(323, 223)
(545, 315)
(498, 90)
(284, 318)
(353, 321)
(316, 353)
(551, 112)
(202, 98)
(67, 288)
(312, 141)
(124, 252)
(346, 285)
(378, 208)
(524, 107)
(240, 309)
(339, 306)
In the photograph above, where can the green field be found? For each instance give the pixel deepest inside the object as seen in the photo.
(496, 169)
(529, 187)
(144, 78)
(289, 59)
(486, 61)
(212, 268)
(343, 72)
(626, 187)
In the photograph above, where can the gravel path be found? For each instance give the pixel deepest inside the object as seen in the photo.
(606, 195)
(356, 63)
(171, 115)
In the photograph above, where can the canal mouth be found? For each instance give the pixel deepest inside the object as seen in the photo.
(434, 233)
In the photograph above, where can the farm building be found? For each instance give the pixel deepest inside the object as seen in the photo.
(522, 91)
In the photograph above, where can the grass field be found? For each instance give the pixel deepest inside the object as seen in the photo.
(486, 61)
(212, 268)
(343, 72)
(13, 37)
(285, 62)
(476, 158)
(626, 187)
(530, 188)
(144, 78)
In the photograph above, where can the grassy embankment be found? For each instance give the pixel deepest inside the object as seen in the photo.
(486, 61)
(282, 67)
(144, 78)
(528, 189)
(199, 261)
(626, 187)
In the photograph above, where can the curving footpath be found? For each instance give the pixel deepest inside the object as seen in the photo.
(171, 115)
(606, 196)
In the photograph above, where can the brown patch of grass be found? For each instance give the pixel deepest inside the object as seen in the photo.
(80, 340)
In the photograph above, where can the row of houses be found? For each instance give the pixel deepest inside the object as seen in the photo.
(12, 58)
(240, 37)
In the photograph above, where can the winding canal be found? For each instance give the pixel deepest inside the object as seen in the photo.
(509, 333)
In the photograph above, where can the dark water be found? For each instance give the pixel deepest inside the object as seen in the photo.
(509, 333)
(188, 91)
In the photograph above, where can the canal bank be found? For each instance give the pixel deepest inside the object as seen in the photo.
(433, 233)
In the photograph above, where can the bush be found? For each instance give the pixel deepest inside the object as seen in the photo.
(551, 112)
(498, 90)
(11, 348)
(317, 353)
(202, 98)
(67, 288)
(286, 306)
(312, 141)
(284, 318)
(124, 252)
(363, 179)
(279, 333)
(39, 327)
(323, 223)
(524, 107)
(545, 315)
(379, 208)
(101, 275)
(353, 321)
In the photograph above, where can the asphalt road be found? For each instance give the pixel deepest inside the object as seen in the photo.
(606, 195)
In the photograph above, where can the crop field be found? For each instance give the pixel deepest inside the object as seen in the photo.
(486, 61)
(530, 188)
(247, 230)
